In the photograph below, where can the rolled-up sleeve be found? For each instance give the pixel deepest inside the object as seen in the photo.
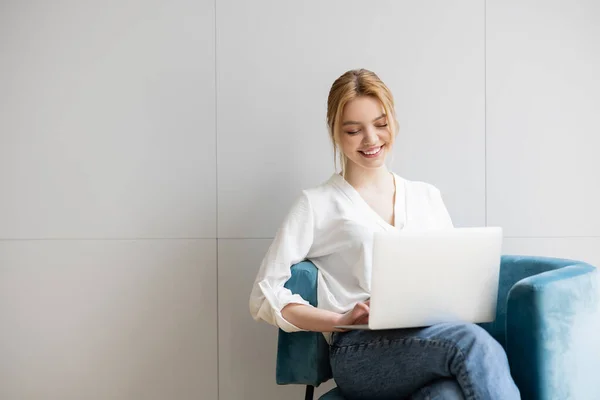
(291, 245)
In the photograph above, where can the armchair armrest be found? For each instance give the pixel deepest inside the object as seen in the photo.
(552, 327)
(303, 357)
(513, 269)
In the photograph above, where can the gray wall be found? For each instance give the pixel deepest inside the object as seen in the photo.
(149, 150)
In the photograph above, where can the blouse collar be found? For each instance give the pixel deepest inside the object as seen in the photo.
(354, 196)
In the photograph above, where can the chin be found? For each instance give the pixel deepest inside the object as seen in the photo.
(374, 165)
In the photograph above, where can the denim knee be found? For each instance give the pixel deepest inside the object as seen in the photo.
(474, 341)
(473, 332)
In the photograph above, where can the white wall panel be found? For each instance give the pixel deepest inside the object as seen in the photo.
(276, 62)
(543, 96)
(99, 320)
(247, 349)
(107, 119)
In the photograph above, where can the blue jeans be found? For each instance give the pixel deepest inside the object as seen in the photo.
(444, 361)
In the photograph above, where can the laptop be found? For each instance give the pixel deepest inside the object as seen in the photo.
(422, 278)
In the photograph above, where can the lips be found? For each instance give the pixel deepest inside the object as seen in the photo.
(371, 152)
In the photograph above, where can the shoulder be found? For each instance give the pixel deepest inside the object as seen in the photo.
(314, 197)
(323, 192)
(322, 201)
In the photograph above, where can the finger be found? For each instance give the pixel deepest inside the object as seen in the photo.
(359, 318)
(366, 307)
(359, 310)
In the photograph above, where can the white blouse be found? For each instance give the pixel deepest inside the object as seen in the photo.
(333, 226)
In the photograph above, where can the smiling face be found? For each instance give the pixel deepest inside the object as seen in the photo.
(365, 137)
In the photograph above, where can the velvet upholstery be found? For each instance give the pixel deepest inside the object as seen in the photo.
(548, 321)
(552, 329)
(303, 357)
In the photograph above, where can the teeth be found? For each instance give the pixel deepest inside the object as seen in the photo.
(369, 153)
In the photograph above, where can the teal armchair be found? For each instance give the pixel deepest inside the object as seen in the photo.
(547, 320)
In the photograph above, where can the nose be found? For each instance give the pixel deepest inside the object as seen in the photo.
(370, 136)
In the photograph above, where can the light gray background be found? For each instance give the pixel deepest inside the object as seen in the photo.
(149, 150)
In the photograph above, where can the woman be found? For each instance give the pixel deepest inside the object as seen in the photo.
(333, 226)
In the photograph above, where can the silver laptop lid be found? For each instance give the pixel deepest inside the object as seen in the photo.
(421, 278)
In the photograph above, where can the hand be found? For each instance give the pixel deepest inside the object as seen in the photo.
(359, 315)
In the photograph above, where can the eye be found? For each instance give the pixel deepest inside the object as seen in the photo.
(352, 132)
(382, 126)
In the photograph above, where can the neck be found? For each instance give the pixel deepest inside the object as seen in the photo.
(363, 178)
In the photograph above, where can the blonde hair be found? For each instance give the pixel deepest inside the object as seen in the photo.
(353, 84)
